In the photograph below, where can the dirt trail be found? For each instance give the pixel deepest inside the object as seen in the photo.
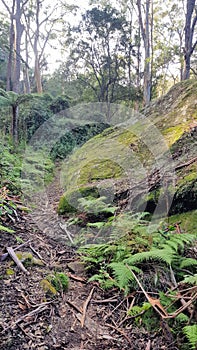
(83, 318)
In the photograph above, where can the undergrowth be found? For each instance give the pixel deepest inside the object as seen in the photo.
(157, 259)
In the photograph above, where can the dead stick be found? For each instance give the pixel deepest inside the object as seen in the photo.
(120, 331)
(5, 255)
(85, 306)
(74, 306)
(148, 346)
(16, 260)
(39, 309)
(35, 252)
(186, 164)
(155, 303)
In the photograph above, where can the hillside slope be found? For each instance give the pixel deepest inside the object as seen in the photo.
(147, 164)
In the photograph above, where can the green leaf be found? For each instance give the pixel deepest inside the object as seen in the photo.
(6, 229)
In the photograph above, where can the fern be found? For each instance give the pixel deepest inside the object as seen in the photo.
(136, 310)
(164, 255)
(122, 274)
(190, 279)
(182, 318)
(191, 334)
(187, 262)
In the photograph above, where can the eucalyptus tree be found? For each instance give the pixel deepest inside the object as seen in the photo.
(190, 38)
(96, 51)
(40, 18)
(15, 10)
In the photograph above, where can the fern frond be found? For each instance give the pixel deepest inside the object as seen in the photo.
(182, 318)
(136, 310)
(191, 334)
(188, 262)
(164, 255)
(122, 274)
(182, 239)
(190, 280)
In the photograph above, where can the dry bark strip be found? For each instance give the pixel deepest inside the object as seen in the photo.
(14, 257)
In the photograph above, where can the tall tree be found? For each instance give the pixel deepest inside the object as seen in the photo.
(145, 28)
(96, 49)
(40, 18)
(190, 23)
(15, 11)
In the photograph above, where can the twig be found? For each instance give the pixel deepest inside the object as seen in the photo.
(180, 166)
(39, 309)
(104, 301)
(121, 332)
(74, 306)
(148, 346)
(154, 302)
(76, 278)
(64, 228)
(85, 306)
(35, 252)
(16, 260)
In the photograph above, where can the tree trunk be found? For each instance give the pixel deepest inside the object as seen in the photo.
(145, 30)
(15, 124)
(11, 49)
(17, 61)
(189, 33)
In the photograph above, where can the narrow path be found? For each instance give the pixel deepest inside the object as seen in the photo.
(44, 215)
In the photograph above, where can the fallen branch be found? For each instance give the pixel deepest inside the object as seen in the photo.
(5, 255)
(64, 229)
(180, 166)
(77, 278)
(85, 306)
(74, 306)
(16, 260)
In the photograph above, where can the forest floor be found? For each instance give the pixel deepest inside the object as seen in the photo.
(83, 317)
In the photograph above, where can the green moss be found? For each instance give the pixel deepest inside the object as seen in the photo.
(9, 272)
(173, 133)
(48, 287)
(127, 138)
(99, 169)
(188, 221)
(64, 205)
(60, 281)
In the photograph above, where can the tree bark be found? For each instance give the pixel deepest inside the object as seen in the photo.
(145, 30)
(189, 33)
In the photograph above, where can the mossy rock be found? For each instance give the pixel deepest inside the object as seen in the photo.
(69, 202)
(188, 221)
(127, 155)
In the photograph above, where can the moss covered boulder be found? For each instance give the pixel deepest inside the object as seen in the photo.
(141, 163)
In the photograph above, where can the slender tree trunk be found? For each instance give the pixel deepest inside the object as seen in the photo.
(14, 130)
(11, 49)
(145, 30)
(19, 33)
(189, 33)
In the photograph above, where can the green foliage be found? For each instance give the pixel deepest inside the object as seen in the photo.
(163, 255)
(6, 229)
(190, 279)
(123, 275)
(96, 206)
(157, 249)
(60, 281)
(191, 334)
(75, 138)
